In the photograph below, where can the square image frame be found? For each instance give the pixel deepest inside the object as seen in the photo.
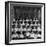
(9, 15)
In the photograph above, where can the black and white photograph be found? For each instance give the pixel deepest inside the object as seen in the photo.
(24, 22)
